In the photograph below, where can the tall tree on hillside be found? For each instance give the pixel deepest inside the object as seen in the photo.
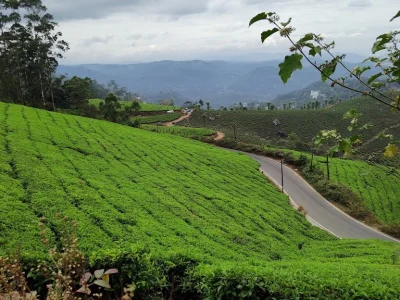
(78, 91)
(29, 50)
(208, 105)
(109, 109)
(201, 102)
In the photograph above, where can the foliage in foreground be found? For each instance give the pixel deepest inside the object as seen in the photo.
(313, 45)
(174, 216)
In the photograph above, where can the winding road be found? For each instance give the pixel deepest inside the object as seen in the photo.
(320, 212)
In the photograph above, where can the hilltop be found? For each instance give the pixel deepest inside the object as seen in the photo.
(187, 203)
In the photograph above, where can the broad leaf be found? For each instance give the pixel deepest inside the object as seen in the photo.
(268, 33)
(98, 273)
(374, 77)
(111, 271)
(327, 71)
(259, 17)
(381, 41)
(291, 64)
(284, 24)
(307, 37)
(391, 150)
(396, 16)
(378, 85)
(315, 50)
(102, 283)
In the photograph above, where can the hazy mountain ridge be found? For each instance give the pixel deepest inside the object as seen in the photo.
(220, 82)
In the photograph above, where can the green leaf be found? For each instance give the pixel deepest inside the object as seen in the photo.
(362, 70)
(315, 50)
(327, 71)
(102, 283)
(307, 37)
(391, 150)
(377, 85)
(268, 33)
(374, 77)
(98, 273)
(396, 16)
(259, 17)
(291, 64)
(286, 23)
(381, 41)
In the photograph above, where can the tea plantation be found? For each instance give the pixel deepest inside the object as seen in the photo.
(133, 189)
(145, 107)
(257, 127)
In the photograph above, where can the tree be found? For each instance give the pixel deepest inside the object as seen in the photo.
(284, 106)
(29, 49)
(201, 102)
(268, 105)
(312, 43)
(78, 91)
(109, 109)
(208, 105)
(135, 106)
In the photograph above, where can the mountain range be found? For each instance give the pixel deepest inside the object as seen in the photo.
(220, 82)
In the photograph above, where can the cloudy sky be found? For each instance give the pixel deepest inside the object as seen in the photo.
(128, 31)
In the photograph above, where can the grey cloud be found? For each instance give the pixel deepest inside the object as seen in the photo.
(97, 40)
(97, 9)
(360, 3)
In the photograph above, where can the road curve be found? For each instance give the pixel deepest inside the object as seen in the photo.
(320, 212)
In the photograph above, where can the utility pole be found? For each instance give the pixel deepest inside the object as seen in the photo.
(282, 174)
(327, 166)
(234, 131)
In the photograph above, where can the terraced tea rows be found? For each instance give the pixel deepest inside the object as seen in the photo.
(257, 127)
(126, 185)
(379, 191)
(377, 188)
(179, 130)
(129, 189)
(156, 118)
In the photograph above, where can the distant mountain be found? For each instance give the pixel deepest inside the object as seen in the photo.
(322, 91)
(220, 82)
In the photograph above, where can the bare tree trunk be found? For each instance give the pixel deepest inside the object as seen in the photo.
(41, 88)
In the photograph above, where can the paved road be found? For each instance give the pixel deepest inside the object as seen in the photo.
(319, 211)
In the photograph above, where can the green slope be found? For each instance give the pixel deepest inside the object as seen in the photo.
(257, 126)
(145, 107)
(130, 188)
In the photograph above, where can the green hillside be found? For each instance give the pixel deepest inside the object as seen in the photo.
(134, 189)
(257, 127)
(379, 191)
(145, 107)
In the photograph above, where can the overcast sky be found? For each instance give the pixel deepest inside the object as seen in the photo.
(128, 31)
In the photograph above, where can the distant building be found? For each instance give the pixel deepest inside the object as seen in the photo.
(314, 94)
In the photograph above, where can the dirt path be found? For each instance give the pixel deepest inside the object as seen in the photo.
(181, 118)
(219, 136)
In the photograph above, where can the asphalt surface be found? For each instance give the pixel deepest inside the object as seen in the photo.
(319, 211)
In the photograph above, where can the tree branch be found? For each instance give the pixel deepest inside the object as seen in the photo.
(351, 72)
